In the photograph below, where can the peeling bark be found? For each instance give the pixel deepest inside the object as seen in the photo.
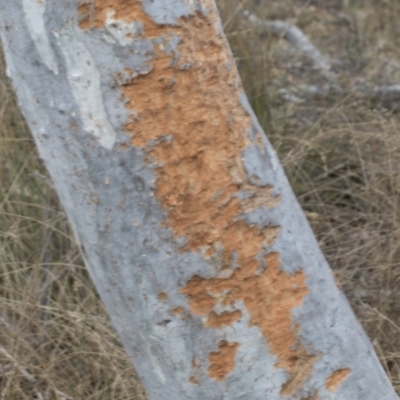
(189, 228)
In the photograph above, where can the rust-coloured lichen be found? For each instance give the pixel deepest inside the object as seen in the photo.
(178, 311)
(84, 8)
(218, 321)
(222, 361)
(269, 297)
(194, 101)
(162, 296)
(335, 380)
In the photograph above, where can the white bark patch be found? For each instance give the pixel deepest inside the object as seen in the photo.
(154, 362)
(121, 31)
(33, 12)
(84, 79)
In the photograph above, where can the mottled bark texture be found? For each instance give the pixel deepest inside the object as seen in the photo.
(196, 243)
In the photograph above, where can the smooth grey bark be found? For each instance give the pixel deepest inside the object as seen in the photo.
(195, 325)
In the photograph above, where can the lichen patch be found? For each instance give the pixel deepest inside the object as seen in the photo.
(162, 296)
(178, 311)
(222, 361)
(269, 297)
(226, 318)
(123, 10)
(335, 380)
(193, 98)
(84, 8)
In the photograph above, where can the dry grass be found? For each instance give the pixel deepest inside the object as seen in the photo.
(341, 153)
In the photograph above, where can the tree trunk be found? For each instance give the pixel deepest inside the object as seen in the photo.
(188, 225)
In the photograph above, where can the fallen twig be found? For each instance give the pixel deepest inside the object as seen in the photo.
(296, 38)
(386, 94)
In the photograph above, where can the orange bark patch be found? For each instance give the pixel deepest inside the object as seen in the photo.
(84, 19)
(124, 10)
(334, 381)
(194, 102)
(222, 361)
(178, 311)
(269, 297)
(218, 321)
(84, 9)
(163, 296)
(301, 367)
